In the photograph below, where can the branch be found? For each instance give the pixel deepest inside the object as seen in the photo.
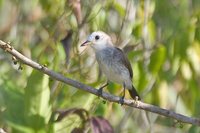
(136, 104)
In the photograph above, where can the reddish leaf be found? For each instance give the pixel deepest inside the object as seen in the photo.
(100, 125)
(77, 130)
(80, 112)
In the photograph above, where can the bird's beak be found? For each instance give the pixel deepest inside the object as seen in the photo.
(85, 43)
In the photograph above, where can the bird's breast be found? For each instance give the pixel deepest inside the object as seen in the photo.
(114, 70)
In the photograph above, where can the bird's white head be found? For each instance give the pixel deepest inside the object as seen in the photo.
(98, 40)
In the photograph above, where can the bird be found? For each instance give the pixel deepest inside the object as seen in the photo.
(113, 63)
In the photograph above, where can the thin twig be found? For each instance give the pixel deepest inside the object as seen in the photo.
(136, 104)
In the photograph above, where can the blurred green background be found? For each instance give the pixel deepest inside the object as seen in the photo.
(160, 37)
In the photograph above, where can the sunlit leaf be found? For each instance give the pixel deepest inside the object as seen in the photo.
(20, 127)
(95, 11)
(101, 20)
(186, 70)
(152, 31)
(37, 106)
(118, 7)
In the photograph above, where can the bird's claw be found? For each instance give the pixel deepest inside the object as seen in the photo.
(99, 92)
(137, 98)
(121, 100)
(136, 101)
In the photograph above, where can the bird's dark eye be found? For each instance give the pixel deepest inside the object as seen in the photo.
(97, 37)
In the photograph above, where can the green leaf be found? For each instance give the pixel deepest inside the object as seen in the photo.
(12, 106)
(152, 31)
(20, 127)
(157, 59)
(194, 129)
(1, 2)
(94, 12)
(37, 96)
(120, 9)
(142, 76)
(137, 30)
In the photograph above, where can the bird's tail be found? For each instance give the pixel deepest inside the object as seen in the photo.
(134, 93)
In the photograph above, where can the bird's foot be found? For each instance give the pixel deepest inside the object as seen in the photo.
(100, 91)
(136, 98)
(121, 100)
(136, 101)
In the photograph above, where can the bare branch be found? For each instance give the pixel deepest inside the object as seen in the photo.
(136, 104)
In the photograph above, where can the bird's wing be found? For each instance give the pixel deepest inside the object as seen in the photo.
(123, 58)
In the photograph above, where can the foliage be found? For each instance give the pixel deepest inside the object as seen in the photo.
(161, 38)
